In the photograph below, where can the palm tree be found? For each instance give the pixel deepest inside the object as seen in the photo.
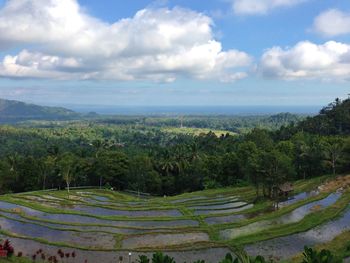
(333, 150)
(180, 160)
(303, 153)
(13, 161)
(167, 164)
(194, 153)
(45, 166)
(100, 145)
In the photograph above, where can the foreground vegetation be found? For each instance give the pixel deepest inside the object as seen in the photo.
(309, 256)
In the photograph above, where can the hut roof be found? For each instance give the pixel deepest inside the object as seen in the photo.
(286, 187)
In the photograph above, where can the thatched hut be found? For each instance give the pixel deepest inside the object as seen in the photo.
(285, 189)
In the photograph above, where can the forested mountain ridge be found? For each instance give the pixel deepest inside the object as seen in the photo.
(334, 119)
(14, 111)
(233, 123)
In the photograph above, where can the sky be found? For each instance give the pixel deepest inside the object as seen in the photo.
(175, 52)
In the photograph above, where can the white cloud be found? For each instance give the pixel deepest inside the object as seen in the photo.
(332, 22)
(155, 44)
(306, 60)
(260, 7)
(38, 65)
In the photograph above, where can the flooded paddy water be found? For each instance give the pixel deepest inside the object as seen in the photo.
(29, 247)
(292, 217)
(298, 197)
(80, 239)
(130, 213)
(96, 222)
(82, 219)
(219, 206)
(224, 219)
(163, 240)
(223, 211)
(293, 244)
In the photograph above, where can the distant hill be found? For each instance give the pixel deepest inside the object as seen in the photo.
(333, 119)
(12, 111)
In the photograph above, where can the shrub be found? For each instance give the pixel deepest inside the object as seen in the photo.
(143, 259)
(161, 258)
(8, 247)
(325, 256)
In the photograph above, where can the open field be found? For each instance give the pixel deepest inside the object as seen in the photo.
(196, 131)
(102, 224)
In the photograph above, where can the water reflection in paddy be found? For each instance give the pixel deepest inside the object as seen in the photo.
(131, 213)
(19, 208)
(219, 206)
(214, 201)
(108, 229)
(72, 218)
(88, 240)
(224, 219)
(187, 199)
(163, 240)
(98, 211)
(100, 198)
(296, 198)
(205, 200)
(292, 217)
(293, 244)
(223, 211)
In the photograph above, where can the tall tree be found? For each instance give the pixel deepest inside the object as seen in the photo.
(334, 147)
(113, 168)
(67, 164)
(277, 168)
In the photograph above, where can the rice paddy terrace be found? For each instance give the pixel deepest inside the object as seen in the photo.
(102, 225)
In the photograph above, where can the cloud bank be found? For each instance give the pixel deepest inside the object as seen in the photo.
(60, 41)
(332, 23)
(306, 60)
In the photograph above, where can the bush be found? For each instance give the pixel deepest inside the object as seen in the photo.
(325, 256)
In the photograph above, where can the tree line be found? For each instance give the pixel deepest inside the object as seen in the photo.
(143, 158)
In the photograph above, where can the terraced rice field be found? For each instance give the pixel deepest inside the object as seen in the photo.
(102, 225)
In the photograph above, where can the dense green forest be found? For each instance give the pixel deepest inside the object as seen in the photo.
(135, 153)
(229, 123)
(15, 112)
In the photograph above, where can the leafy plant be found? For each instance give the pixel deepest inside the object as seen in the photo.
(228, 259)
(161, 258)
(325, 256)
(8, 247)
(259, 259)
(243, 257)
(143, 259)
